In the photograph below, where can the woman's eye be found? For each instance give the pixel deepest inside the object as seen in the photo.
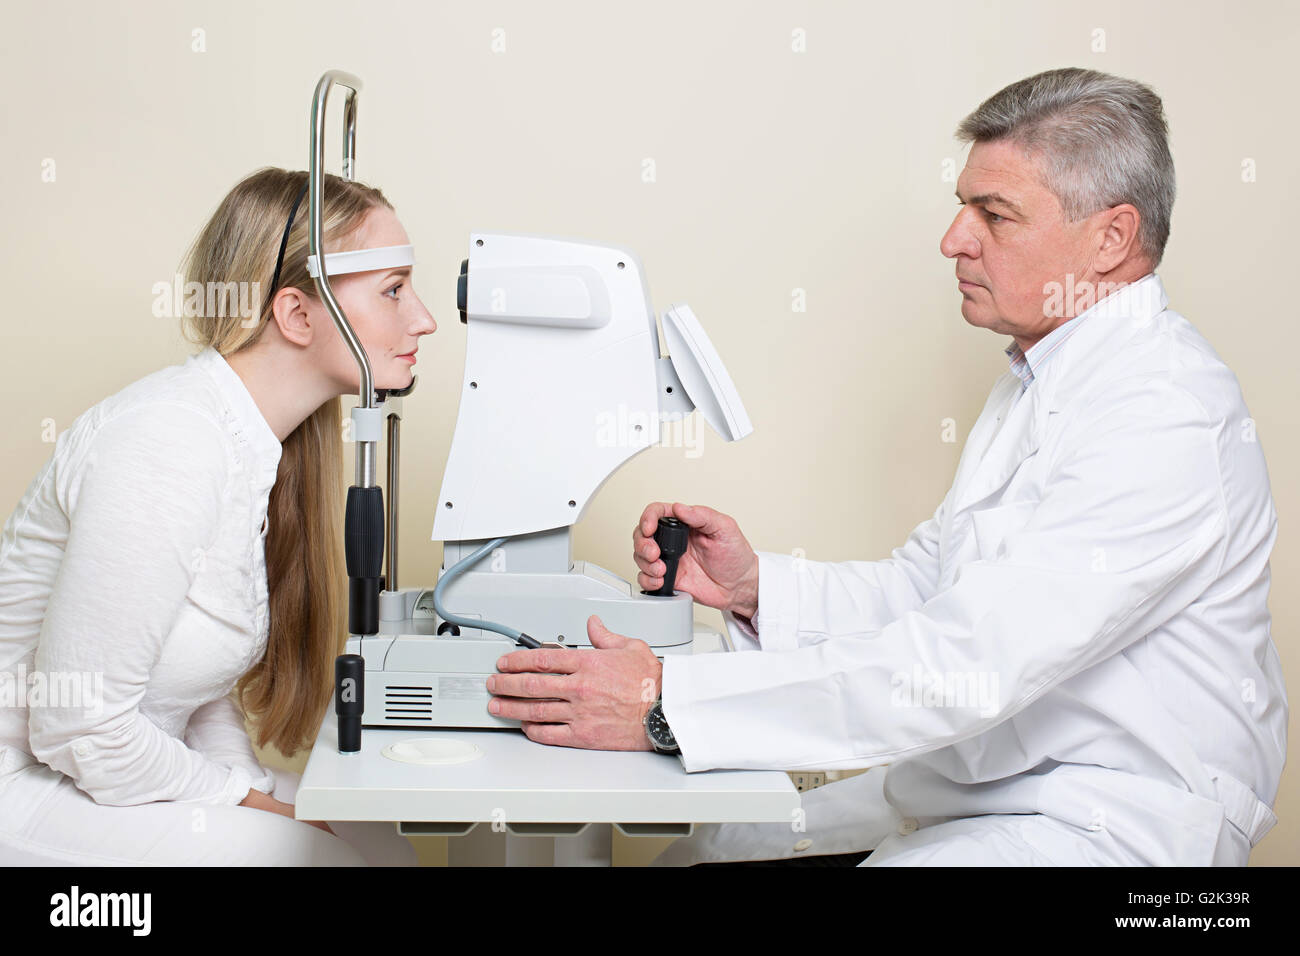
(394, 289)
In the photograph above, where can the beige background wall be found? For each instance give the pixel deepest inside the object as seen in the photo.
(776, 170)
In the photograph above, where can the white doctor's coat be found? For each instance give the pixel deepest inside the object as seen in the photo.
(1080, 630)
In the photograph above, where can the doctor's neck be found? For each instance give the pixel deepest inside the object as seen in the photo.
(1068, 300)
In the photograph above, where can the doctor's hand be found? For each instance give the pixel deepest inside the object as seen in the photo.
(593, 699)
(719, 568)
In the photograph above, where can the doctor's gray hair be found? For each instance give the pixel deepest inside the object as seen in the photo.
(1101, 140)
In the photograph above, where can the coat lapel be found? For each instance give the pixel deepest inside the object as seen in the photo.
(993, 454)
(1014, 440)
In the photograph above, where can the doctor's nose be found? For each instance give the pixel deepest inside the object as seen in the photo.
(959, 240)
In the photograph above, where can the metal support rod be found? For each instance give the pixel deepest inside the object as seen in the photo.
(363, 520)
(365, 452)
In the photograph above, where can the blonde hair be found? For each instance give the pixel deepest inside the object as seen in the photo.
(286, 692)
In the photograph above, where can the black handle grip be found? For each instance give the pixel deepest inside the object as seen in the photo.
(671, 536)
(349, 699)
(363, 546)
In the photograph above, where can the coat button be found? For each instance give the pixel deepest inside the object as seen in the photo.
(907, 826)
(802, 845)
(81, 748)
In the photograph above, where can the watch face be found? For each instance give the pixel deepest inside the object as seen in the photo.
(657, 727)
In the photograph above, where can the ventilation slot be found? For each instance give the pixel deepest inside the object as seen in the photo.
(407, 702)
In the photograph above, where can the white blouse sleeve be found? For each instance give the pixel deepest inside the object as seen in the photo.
(217, 730)
(143, 503)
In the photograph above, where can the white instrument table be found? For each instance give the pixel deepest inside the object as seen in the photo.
(532, 791)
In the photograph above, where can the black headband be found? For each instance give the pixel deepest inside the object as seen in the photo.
(284, 241)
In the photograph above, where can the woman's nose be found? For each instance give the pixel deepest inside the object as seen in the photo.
(429, 323)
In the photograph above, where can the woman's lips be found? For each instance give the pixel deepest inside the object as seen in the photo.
(409, 357)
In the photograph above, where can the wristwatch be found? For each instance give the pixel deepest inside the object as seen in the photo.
(657, 729)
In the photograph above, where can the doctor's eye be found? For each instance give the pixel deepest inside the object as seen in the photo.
(394, 289)
(993, 217)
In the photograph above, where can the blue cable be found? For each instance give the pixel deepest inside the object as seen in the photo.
(458, 568)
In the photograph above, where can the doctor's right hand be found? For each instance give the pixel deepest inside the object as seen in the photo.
(719, 568)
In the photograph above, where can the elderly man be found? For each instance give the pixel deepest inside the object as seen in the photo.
(1070, 662)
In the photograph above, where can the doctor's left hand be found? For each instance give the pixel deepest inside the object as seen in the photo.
(592, 699)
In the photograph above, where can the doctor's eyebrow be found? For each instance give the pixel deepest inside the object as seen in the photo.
(986, 199)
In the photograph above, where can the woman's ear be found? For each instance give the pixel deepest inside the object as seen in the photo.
(291, 312)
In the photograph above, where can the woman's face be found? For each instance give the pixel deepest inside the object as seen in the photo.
(383, 310)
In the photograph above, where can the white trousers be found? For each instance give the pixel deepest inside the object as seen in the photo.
(46, 821)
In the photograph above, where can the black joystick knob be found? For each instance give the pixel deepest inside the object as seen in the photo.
(671, 536)
(349, 699)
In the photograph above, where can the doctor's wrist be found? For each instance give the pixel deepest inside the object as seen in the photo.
(744, 599)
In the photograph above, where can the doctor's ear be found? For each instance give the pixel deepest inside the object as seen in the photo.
(1117, 229)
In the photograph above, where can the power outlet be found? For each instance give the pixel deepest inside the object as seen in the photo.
(803, 780)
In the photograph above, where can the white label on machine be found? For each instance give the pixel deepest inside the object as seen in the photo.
(462, 688)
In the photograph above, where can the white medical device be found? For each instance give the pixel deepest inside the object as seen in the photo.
(564, 382)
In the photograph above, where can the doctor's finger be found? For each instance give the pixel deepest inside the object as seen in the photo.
(534, 711)
(545, 659)
(703, 519)
(557, 735)
(649, 583)
(650, 519)
(649, 565)
(552, 686)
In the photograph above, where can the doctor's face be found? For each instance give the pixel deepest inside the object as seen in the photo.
(382, 308)
(1009, 240)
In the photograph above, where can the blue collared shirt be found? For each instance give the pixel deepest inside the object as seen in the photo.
(1024, 364)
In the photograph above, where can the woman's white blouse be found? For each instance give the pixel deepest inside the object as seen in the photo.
(133, 592)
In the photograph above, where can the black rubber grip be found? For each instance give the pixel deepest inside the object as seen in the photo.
(363, 548)
(672, 536)
(349, 699)
(363, 606)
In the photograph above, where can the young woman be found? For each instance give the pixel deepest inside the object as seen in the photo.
(177, 564)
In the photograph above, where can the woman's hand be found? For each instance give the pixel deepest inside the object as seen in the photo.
(264, 801)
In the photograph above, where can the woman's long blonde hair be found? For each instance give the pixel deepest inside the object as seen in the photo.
(286, 692)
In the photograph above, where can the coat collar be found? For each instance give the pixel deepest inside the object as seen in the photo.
(248, 425)
(1104, 330)
(993, 453)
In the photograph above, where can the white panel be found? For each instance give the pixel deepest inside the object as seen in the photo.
(549, 406)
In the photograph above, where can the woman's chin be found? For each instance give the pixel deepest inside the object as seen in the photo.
(386, 378)
(397, 379)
